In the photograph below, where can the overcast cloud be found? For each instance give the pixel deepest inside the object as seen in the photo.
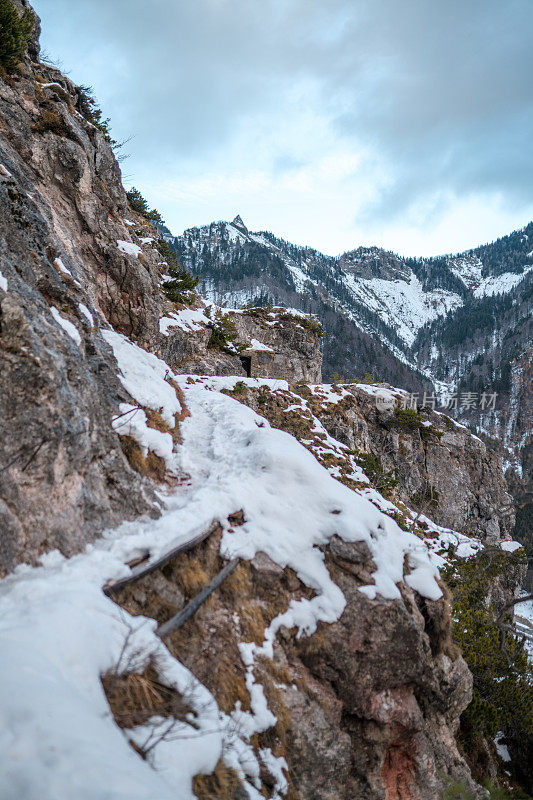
(331, 122)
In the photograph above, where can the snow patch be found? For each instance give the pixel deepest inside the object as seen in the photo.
(66, 324)
(468, 269)
(188, 319)
(87, 314)
(132, 422)
(500, 284)
(143, 375)
(61, 267)
(403, 305)
(510, 547)
(129, 248)
(3, 282)
(255, 344)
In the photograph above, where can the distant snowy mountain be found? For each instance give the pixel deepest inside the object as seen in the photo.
(393, 300)
(458, 323)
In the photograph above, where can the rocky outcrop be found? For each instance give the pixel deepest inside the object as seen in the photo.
(281, 344)
(270, 343)
(63, 476)
(422, 458)
(366, 708)
(425, 451)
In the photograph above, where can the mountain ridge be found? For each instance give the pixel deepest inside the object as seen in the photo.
(404, 294)
(450, 325)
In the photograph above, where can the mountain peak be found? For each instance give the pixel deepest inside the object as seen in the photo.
(238, 223)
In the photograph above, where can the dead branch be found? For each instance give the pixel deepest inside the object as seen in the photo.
(193, 605)
(510, 604)
(505, 628)
(115, 586)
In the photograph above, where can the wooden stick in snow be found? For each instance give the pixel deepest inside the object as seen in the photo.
(115, 586)
(193, 605)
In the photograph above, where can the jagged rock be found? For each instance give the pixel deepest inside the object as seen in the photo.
(373, 262)
(472, 491)
(238, 223)
(402, 690)
(63, 476)
(276, 345)
(367, 707)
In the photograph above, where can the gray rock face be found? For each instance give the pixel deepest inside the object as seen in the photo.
(281, 346)
(367, 707)
(63, 476)
(401, 686)
(372, 262)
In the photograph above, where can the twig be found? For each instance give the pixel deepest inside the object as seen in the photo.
(192, 607)
(35, 448)
(115, 586)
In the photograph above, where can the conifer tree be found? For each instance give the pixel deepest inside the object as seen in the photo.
(181, 285)
(140, 205)
(14, 34)
(88, 108)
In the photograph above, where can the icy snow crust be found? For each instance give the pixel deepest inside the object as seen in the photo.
(500, 284)
(132, 422)
(255, 344)
(59, 632)
(87, 314)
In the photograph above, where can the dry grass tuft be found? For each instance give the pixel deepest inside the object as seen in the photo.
(253, 622)
(238, 585)
(184, 413)
(51, 121)
(191, 576)
(135, 697)
(223, 784)
(154, 419)
(228, 685)
(210, 637)
(149, 466)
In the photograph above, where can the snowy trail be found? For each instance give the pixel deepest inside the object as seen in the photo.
(59, 632)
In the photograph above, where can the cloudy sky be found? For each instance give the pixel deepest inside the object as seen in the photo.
(333, 123)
